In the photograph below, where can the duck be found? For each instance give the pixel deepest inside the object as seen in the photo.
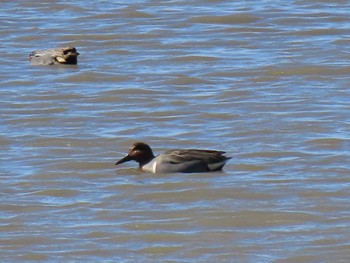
(175, 161)
(55, 56)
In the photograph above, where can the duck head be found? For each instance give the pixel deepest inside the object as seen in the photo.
(140, 152)
(68, 55)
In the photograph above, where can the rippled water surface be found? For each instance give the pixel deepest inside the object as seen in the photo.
(266, 81)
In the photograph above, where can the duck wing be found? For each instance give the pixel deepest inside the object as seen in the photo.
(208, 156)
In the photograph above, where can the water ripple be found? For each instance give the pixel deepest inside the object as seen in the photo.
(266, 82)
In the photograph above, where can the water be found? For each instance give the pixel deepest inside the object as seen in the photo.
(265, 81)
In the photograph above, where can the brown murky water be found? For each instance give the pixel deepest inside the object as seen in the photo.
(267, 82)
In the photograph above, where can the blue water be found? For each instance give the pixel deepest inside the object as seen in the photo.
(265, 81)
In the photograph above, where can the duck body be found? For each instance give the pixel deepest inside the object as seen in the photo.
(176, 161)
(55, 56)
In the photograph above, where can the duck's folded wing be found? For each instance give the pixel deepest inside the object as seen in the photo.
(207, 156)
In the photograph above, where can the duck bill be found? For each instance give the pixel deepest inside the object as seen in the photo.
(127, 158)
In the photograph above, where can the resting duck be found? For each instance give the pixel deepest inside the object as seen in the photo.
(175, 161)
(65, 55)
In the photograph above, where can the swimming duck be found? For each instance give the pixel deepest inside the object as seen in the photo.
(65, 55)
(175, 161)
